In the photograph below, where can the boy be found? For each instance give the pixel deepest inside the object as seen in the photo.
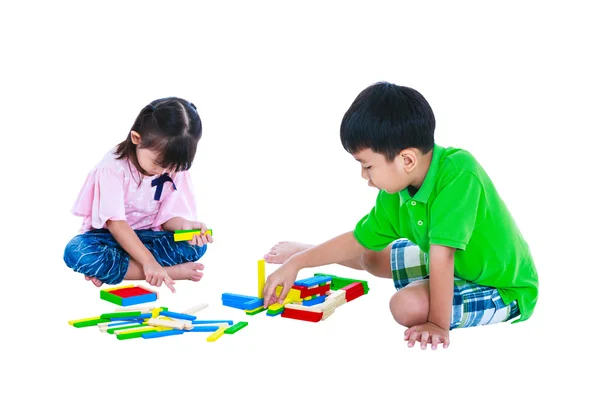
(439, 229)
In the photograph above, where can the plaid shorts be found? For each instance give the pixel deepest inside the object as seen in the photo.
(472, 305)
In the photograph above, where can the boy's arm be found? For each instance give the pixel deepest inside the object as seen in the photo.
(441, 290)
(341, 248)
(441, 285)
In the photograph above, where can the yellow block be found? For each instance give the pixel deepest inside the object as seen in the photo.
(83, 320)
(216, 334)
(261, 278)
(179, 237)
(144, 329)
(293, 294)
(277, 306)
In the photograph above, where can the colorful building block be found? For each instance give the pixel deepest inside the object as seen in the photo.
(182, 235)
(261, 278)
(216, 335)
(128, 295)
(233, 329)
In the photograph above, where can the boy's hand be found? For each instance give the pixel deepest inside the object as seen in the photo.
(198, 240)
(156, 275)
(427, 333)
(285, 276)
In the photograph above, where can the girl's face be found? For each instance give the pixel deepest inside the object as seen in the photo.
(147, 160)
(146, 157)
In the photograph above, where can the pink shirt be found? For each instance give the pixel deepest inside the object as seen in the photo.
(111, 191)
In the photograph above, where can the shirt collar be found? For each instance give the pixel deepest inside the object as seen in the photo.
(424, 191)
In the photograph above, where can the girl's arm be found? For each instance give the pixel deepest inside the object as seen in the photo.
(175, 224)
(129, 241)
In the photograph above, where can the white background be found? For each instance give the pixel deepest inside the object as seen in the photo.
(516, 84)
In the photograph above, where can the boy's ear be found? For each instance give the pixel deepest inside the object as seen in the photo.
(136, 138)
(408, 159)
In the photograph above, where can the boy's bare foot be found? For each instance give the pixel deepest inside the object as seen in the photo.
(189, 270)
(282, 251)
(94, 280)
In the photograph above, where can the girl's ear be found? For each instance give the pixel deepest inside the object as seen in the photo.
(136, 138)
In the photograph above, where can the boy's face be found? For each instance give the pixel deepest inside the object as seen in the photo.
(389, 176)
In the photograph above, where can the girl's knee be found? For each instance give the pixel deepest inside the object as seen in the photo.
(192, 253)
(409, 308)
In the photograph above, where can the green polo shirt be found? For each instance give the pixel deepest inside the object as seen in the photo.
(458, 206)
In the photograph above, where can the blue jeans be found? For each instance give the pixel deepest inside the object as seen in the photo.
(97, 254)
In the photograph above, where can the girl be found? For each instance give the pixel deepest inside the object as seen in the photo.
(135, 198)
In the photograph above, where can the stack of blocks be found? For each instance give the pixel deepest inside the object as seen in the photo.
(312, 299)
(152, 322)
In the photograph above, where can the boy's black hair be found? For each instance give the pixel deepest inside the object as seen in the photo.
(387, 119)
(169, 126)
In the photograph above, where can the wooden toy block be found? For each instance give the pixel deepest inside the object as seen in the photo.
(216, 335)
(175, 315)
(314, 301)
(261, 278)
(303, 308)
(82, 323)
(306, 292)
(156, 334)
(205, 328)
(293, 294)
(115, 329)
(212, 321)
(196, 308)
(353, 291)
(303, 315)
(182, 235)
(257, 310)
(142, 310)
(177, 324)
(136, 333)
(240, 301)
(312, 281)
(339, 282)
(327, 314)
(233, 329)
(129, 295)
(124, 314)
(274, 313)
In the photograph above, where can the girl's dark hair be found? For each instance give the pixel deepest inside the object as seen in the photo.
(169, 126)
(387, 119)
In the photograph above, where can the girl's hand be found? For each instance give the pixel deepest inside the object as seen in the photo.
(201, 239)
(156, 275)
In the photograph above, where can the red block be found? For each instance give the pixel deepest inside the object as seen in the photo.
(302, 315)
(130, 292)
(316, 291)
(353, 291)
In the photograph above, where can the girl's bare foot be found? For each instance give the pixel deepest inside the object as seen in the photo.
(94, 280)
(189, 270)
(282, 251)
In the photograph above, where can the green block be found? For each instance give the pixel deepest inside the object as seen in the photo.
(338, 282)
(234, 328)
(93, 322)
(111, 298)
(277, 312)
(124, 314)
(256, 312)
(133, 335)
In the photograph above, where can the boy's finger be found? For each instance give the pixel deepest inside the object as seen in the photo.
(267, 293)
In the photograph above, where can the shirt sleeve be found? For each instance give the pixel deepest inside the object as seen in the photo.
(178, 203)
(455, 211)
(101, 198)
(376, 230)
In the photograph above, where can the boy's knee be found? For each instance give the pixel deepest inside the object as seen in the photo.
(377, 263)
(408, 308)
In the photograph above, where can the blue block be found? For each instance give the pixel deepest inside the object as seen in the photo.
(237, 297)
(316, 300)
(249, 305)
(152, 335)
(178, 315)
(144, 298)
(312, 281)
(111, 324)
(204, 328)
(212, 321)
